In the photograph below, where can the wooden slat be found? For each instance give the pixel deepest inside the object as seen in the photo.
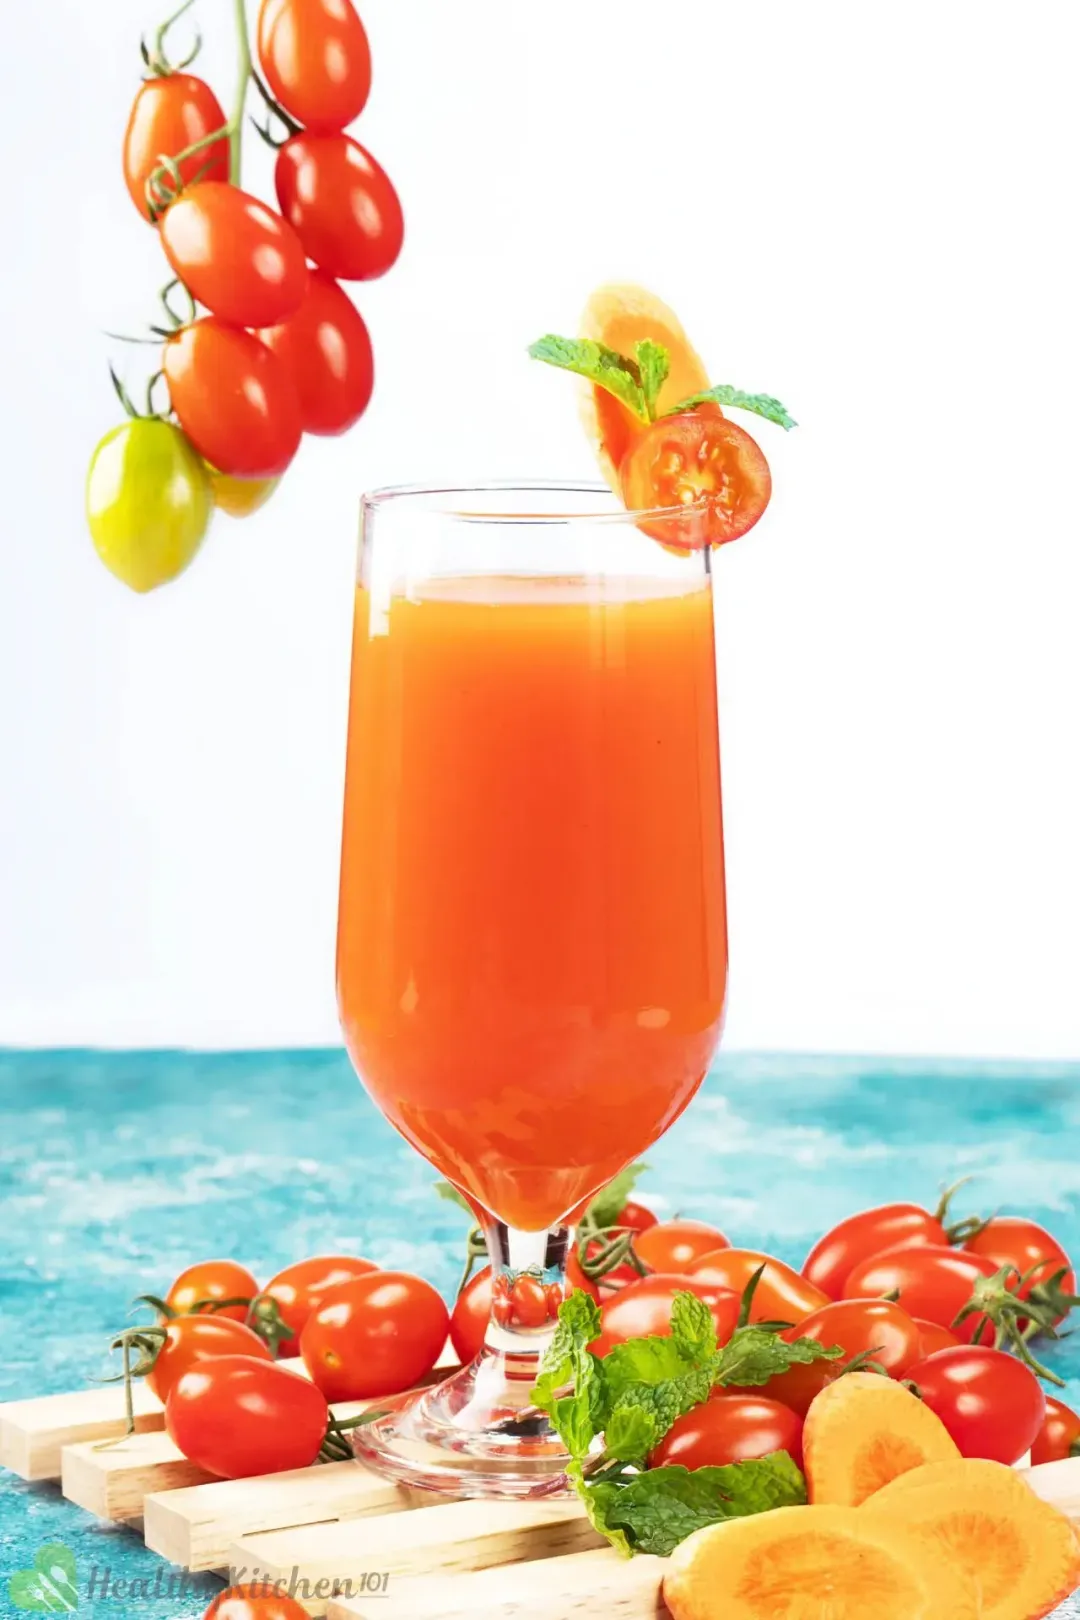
(196, 1527)
(580, 1586)
(113, 1481)
(33, 1433)
(445, 1540)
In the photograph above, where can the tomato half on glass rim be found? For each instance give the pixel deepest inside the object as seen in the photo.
(706, 465)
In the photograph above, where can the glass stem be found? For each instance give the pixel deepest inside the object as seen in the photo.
(528, 1284)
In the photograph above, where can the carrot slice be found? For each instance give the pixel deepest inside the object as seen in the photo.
(1020, 1552)
(814, 1563)
(864, 1430)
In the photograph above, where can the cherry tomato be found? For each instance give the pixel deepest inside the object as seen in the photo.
(796, 1388)
(234, 399)
(213, 1280)
(168, 115)
(644, 1307)
(236, 1416)
(299, 1288)
(1059, 1436)
(576, 1278)
(341, 204)
(471, 1314)
(238, 257)
(189, 1339)
(239, 497)
(871, 1327)
(781, 1295)
(933, 1284)
(326, 350)
(316, 59)
(374, 1335)
(677, 1245)
(857, 1238)
(703, 463)
(528, 1301)
(1011, 1240)
(148, 502)
(257, 1601)
(991, 1404)
(554, 1293)
(730, 1429)
(636, 1217)
(934, 1337)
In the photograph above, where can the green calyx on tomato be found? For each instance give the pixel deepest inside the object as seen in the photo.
(148, 502)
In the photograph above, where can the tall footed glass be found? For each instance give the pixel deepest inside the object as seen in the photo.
(532, 939)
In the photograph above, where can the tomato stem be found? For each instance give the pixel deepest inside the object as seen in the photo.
(154, 55)
(244, 71)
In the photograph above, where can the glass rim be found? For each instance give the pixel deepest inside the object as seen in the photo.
(436, 501)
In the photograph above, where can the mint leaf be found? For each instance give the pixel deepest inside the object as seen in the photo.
(446, 1190)
(578, 1416)
(653, 365)
(724, 394)
(598, 1499)
(692, 1326)
(755, 1354)
(641, 1415)
(645, 1361)
(606, 1207)
(653, 1512)
(650, 1382)
(599, 364)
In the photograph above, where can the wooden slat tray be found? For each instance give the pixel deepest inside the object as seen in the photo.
(352, 1545)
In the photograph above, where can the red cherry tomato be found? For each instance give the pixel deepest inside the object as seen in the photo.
(235, 1416)
(1059, 1436)
(238, 257)
(781, 1295)
(256, 1601)
(213, 1280)
(554, 1293)
(636, 1217)
(299, 1288)
(677, 1245)
(375, 1335)
(326, 350)
(859, 1237)
(991, 1404)
(576, 1278)
(934, 1284)
(861, 1327)
(934, 1337)
(189, 1339)
(168, 115)
(1010, 1240)
(471, 1314)
(730, 1429)
(341, 204)
(528, 1301)
(796, 1388)
(644, 1307)
(234, 399)
(703, 463)
(316, 59)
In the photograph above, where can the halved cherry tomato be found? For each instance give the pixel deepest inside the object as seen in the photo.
(258, 1600)
(170, 114)
(234, 399)
(301, 1288)
(781, 1296)
(528, 1301)
(678, 1245)
(730, 1429)
(873, 1327)
(236, 1416)
(326, 350)
(1011, 1240)
(213, 1280)
(341, 204)
(934, 1337)
(991, 1404)
(835, 1256)
(644, 1307)
(1059, 1436)
(470, 1317)
(316, 59)
(189, 1339)
(238, 257)
(932, 1283)
(798, 1387)
(374, 1335)
(703, 463)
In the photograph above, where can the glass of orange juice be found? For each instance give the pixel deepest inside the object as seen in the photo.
(532, 938)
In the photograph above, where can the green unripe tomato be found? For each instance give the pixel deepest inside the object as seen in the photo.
(148, 502)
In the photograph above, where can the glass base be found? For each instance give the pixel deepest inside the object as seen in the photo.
(476, 1434)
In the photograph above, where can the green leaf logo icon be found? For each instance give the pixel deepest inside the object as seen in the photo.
(48, 1588)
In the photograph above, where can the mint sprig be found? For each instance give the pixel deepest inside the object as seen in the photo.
(653, 367)
(598, 364)
(724, 394)
(652, 1512)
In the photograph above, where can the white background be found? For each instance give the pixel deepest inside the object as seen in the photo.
(869, 210)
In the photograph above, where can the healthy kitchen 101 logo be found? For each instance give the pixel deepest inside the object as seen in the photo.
(49, 1587)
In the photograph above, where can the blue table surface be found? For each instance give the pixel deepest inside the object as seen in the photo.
(117, 1170)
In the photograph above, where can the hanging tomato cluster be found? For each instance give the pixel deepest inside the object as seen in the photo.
(267, 346)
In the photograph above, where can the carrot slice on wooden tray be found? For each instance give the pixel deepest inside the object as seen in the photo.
(815, 1563)
(864, 1431)
(1019, 1551)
